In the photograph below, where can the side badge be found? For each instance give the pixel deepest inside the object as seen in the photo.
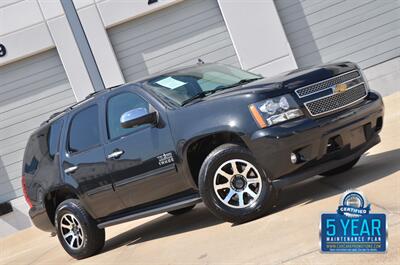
(166, 158)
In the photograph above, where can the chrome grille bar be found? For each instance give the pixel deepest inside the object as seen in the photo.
(327, 83)
(334, 102)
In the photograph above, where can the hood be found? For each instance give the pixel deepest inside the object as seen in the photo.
(289, 81)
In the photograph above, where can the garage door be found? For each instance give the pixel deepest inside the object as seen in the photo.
(30, 91)
(363, 31)
(175, 36)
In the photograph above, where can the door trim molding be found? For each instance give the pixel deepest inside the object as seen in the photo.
(158, 171)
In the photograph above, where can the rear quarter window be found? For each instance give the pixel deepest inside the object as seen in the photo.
(31, 155)
(53, 137)
(42, 144)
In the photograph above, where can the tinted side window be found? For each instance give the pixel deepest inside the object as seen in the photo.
(118, 105)
(53, 137)
(32, 152)
(84, 130)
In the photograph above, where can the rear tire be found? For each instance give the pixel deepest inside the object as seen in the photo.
(182, 211)
(77, 231)
(341, 169)
(233, 186)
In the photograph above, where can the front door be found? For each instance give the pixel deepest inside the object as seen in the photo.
(84, 163)
(141, 159)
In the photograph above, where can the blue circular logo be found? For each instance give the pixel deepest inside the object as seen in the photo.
(353, 204)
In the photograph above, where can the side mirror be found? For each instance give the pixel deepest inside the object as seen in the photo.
(138, 117)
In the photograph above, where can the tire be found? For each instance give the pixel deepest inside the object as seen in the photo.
(341, 169)
(92, 238)
(219, 199)
(182, 211)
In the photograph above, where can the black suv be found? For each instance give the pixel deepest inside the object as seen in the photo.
(208, 133)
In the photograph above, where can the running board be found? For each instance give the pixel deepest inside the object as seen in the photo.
(166, 207)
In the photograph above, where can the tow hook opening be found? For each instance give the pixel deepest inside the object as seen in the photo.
(334, 144)
(379, 123)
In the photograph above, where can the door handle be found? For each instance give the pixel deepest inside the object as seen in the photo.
(115, 154)
(70, 170)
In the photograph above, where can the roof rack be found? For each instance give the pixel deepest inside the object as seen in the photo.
(90, 96)
(93, 94)
(55, 114)
(52, 116)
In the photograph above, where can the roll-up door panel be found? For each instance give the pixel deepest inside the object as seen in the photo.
(364, 31)
(175, 36)
(30, 91)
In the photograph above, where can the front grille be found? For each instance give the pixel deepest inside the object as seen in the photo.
(335, 102)
(326, 84)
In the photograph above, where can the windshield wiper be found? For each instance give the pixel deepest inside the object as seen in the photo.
(243, 81)
(199, 95)
(206, 93)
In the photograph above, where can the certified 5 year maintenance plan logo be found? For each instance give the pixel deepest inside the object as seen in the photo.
(353, 228)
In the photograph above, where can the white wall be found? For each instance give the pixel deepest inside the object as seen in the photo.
(31, 26)
(384, 77)
(263, 49)
(258, 36)
(115, 12)
(16, 220)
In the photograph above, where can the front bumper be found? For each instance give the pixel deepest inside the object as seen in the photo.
(353, 131)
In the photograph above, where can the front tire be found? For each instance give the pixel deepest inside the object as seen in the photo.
(233, 186)
(77, 231)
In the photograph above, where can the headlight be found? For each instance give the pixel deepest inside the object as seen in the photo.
(275, 110)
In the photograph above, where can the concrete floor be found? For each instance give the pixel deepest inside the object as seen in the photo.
(289, 235)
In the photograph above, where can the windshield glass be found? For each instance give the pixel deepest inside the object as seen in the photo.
(180, 86)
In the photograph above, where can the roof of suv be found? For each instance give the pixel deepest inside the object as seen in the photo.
(101, 92)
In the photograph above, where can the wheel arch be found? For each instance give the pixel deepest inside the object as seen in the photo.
(56, 196)
(197, 149)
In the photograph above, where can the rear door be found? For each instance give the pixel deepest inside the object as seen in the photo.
(145, 170)
(84, 164)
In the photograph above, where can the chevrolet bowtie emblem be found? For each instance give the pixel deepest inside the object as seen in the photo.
(339, 88)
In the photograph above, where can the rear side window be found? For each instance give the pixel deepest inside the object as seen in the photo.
(84, 130)
(54, 137)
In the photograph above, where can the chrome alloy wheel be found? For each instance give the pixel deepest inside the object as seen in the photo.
(71, 230)
(237, 183)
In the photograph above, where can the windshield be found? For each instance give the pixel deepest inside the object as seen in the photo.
(183, 85)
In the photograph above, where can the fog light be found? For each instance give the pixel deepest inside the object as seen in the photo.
(294, 158)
